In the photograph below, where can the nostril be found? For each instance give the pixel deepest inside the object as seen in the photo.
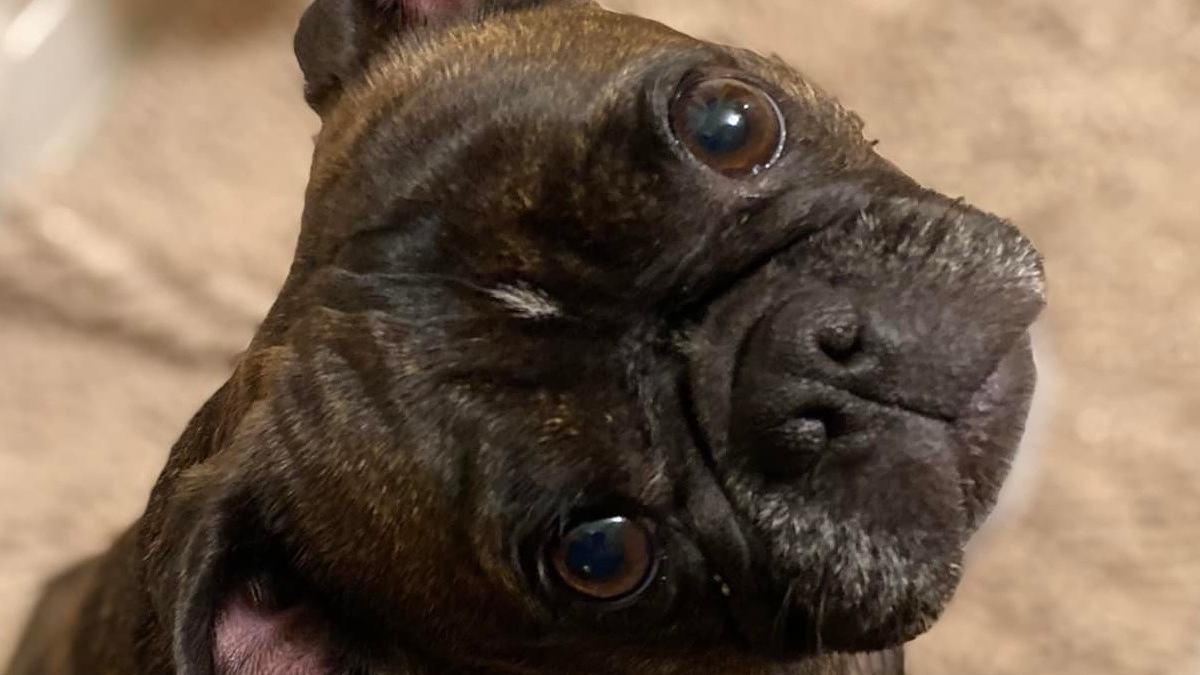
(831, 419)
(793, 447)
(841, 342)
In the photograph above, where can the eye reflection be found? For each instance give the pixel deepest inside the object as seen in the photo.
(608, 559)
(730, 126)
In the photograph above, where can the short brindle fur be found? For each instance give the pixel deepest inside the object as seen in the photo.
(517, 301)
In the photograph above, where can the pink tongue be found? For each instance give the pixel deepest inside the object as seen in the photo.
(250, 640)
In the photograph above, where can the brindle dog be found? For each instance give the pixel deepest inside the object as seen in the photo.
(605, 350)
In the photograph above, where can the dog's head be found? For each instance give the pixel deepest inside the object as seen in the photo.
(605, 350)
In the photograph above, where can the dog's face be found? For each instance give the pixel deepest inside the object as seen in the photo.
(605, 350)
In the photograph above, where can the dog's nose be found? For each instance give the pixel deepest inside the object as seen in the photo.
(827, 371)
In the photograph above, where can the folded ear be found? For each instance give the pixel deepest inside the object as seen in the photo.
(337, 38)
(233, 621)
(237, 610)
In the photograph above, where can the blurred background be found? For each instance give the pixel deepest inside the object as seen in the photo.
(153, 157)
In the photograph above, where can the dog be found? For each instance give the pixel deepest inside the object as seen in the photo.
(604, 350)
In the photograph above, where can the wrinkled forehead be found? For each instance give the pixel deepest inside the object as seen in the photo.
(587, 55)
(537, 145)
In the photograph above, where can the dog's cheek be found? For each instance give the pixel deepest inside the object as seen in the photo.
(253, 640)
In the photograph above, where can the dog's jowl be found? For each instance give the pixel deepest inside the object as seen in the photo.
(605, 351)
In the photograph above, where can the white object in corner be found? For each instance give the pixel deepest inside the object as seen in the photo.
(58, 59)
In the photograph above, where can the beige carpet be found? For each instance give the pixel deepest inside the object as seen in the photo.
(129, 281)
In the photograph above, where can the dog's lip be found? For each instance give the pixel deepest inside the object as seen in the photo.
(736, 558)
(986, 396)
(750, 591)
(955, 417)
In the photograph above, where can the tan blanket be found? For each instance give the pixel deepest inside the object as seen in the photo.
(129, 280)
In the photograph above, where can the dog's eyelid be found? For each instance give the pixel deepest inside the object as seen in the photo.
(726, 120)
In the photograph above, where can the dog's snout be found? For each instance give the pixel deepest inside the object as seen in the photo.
(788, 409)
(826, 334)
(817, 372)
(791, 447)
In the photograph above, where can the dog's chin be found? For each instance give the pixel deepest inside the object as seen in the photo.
(865, 550)
(850, 584)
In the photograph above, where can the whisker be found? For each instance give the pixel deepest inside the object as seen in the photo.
(779, 625)
(819, 614)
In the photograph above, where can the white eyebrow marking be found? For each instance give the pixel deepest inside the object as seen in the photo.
(526, 301)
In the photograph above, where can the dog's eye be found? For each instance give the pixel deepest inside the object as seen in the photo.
(732, 127)
(608, 560)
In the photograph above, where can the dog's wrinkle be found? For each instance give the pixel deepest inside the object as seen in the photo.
(697, 307)
(405, 216)
(670, 268)
(334, 161)
(896, 401)
(887, 403)
(790, 218)
(334, 277)
(739, 575)
(731, 568)
(379, 309)
(918, 411)
(698, 435)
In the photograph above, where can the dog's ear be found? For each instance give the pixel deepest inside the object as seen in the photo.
(337, 38)
(235, 618)
(236, 609)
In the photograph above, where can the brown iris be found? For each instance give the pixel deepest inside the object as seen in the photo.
(730, 126)
(609, 559)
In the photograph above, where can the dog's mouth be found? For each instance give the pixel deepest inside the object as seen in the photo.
(857, 436)
(856, 545)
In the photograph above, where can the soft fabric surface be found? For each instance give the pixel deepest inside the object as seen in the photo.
(130, 279)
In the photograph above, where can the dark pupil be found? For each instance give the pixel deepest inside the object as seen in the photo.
(720, 126)
(597, 552)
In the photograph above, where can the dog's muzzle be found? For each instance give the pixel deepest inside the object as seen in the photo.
(861, 418)
(818, 373)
